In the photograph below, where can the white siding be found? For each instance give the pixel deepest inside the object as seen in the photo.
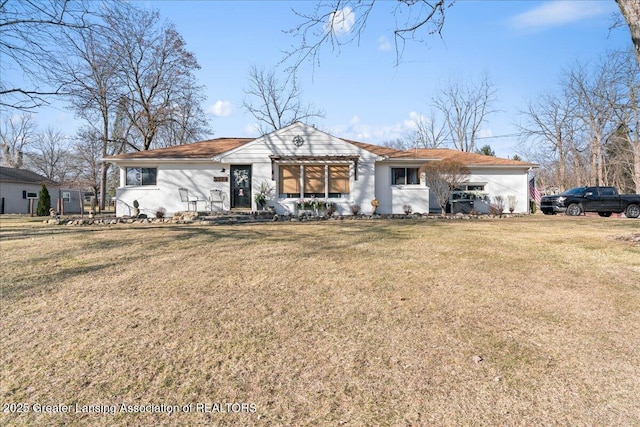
(392, 198)
(280, 143)
(316, 143)
(197, 178)
(504, 183)
(373, 175)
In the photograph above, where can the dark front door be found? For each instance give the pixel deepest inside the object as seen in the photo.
(241, 186)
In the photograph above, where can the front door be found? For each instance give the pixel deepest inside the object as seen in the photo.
(241, 187)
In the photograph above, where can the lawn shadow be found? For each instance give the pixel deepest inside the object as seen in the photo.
(27, 285)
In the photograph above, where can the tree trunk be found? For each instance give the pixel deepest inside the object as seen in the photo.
(103, 165)
(562, 165)
(636, 167)
(631, 11)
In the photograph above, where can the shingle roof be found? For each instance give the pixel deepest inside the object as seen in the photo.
(469, 159)
(375, 149)
(197, 150)
(23, 175)
(213, 147)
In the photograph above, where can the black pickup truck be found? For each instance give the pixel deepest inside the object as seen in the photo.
(604, 200)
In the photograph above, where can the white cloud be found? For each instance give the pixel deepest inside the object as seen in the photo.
(384, 44)
(341, 21)
(377, 133)
(411, 124)
(221, 109)
(252, 130)
(556, 13)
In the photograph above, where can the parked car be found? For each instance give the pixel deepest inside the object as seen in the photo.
(604, 200)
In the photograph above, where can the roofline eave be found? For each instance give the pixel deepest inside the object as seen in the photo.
(154, 160)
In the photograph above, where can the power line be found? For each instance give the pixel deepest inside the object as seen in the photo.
(500, 136)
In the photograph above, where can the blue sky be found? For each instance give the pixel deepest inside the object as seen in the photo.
(523, 46)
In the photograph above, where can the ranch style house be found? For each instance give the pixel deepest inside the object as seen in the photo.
(298, 165)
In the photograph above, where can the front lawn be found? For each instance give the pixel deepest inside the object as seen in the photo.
(520, 321)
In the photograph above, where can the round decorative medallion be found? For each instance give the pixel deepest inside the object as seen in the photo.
(298, 140)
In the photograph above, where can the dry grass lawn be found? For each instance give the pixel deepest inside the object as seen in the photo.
(356, 323)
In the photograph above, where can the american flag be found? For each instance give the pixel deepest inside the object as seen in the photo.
(533, 191)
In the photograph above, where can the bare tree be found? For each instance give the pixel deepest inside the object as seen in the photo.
(17, 134)
(51, 155)
(626, 137)
(620, 161)
(276, 104)
(587, 132)
(155, 72)
(397, 143)
(442, 177)
(429, 132)
(88, 160)
(131, 80)
(594, 94)
(188, 121)
(92, 87)
(630, 10)
(465, 107)
(30, 31)
(550, 126)
(340, 22)
(337, 23)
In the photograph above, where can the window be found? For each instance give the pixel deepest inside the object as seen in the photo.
(405, 176)
(475, 187)
(338, 180)
(141, 176)
(473, 191)
(314, 181)
(66, 196)
(289, 180)
(320, 181)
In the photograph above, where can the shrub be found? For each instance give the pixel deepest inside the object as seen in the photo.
(355, 208)
(44, 202)
(442, 177)
(512, 202)
(497, 207)
(407, 209)
(331, 208)
(161, 212)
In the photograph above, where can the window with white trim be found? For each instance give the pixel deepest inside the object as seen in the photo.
(405, 176)
(141, 176)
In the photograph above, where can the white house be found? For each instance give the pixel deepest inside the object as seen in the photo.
(298, 163)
